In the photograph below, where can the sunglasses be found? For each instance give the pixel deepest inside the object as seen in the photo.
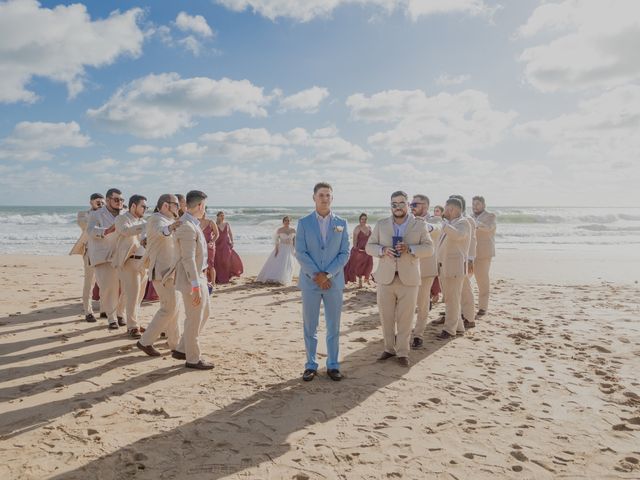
(415, 204)
(117, 199)
(398, 204)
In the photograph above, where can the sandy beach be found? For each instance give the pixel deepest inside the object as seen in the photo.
(545, 387)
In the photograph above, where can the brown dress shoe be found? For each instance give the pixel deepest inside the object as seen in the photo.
(178, 355)
(481, 312)
(201, 365)
(444, 335)
(334, 374)
(439, 321)
(309, 374)
(385, 356)
(122, 322)
(404, 361)
(469, 324)
(149, 350)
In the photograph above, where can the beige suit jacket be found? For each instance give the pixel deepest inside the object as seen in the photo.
(128, 232)
(473, 239)
(486, 232)
(80, 247)
(160, 254)
(429, 265)
(100, 246)
(191, 249)
(453, 248)
(408, 265)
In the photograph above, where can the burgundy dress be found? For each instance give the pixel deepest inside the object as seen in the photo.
(226, 262)
(360, 263)
(211, 251)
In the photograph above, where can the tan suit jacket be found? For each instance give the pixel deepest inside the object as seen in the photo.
(80, 247)
(128, 231)
(453, 248)
(408, 265)
(100, 246)
(429, 265)
(473, 239)
(191, 249)
(486, 232)
(160, 254)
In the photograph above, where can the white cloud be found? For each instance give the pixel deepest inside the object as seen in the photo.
(58, 44)
(147, 149)
(191, 149)
(440, 128)
(193, 23)
(593, 43)
(447, 80)
(307, 100)
(304, 11)
(99, 166)
(158, 106)
(246, 144)
(604, 131)
(192, 44)
(36, 140)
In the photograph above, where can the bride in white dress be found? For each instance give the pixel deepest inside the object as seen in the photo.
(279, 266)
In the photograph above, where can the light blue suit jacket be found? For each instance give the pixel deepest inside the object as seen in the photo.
(314, 256)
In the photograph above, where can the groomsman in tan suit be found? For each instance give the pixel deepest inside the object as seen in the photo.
(127, 259)
(428, 267)
(159, 259)
(191, 280)
(485, 251)
(400, 241)
(102, 242)
(80, 248)
(452, 252)
(468, 306)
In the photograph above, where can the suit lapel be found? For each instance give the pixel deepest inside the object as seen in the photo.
(315, 227)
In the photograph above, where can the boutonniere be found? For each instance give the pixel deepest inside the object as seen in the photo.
(338, 228)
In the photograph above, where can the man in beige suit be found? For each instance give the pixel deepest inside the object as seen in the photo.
(428, 267)
(159, 259)
(468, 306)
(80, 248)
(127, 259)
(452, 252)
(485, 251)
(399, 241)
(102, 242)
(191, 280)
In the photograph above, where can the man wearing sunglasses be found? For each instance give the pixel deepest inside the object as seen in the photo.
(127, 259)
(102, 242)
(400, 241)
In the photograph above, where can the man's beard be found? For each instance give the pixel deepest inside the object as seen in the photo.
(401, 215)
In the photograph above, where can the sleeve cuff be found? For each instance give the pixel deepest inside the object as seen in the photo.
(165, 231)
(195, 284)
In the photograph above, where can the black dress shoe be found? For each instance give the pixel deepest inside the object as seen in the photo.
(404, 361)
(113, 326)
(334, 374)
(178, 355)
(385, 356)
(149, 350)
(103, 315)
(481, 312)
(460, 333)
(417, 343)
(90, 318)
(468, 324)
(439, 321)
(309, 375)
(444, 335)
(121, 321)
(201, 365)
(135, 333)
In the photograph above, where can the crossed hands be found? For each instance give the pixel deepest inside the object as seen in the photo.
(322, 281)
(109, 230)
(391, 252)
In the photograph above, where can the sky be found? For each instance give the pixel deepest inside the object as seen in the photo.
(528, 103)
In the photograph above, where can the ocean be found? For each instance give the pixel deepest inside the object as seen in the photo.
(53, 230)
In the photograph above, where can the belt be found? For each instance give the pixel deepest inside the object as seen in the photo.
(137, 257)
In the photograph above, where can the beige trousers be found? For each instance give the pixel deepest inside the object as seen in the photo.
(166, 318)
(87, 289)
(195, 319)
(467, 300)
(107, 278)
(481, 269)
(132, 278)
(452, 288)
(424, 298)
(396, 303)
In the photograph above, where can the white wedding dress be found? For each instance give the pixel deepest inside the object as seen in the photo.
(279, 269)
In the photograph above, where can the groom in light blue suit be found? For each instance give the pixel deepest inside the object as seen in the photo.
(322, 249)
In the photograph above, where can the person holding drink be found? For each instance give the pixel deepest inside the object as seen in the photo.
(399, 241)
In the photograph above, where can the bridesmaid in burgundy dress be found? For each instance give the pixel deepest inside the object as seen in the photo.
(360, 263)
(211, 234)
(227, 262)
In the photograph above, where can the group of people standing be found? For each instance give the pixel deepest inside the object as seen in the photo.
(182, 254)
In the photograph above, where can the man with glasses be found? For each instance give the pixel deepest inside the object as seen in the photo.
(127, 259)
(399, 241)
(428, 267)
(100, 229)
(80, 248)
(159, 259)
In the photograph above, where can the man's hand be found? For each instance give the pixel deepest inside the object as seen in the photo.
(174, 226)
(109, 230)
(196, 296)
(470, 267)
(402, 248)
(322, 281)
(388, 252)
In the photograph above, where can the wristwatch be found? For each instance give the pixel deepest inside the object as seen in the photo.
(329, 276)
